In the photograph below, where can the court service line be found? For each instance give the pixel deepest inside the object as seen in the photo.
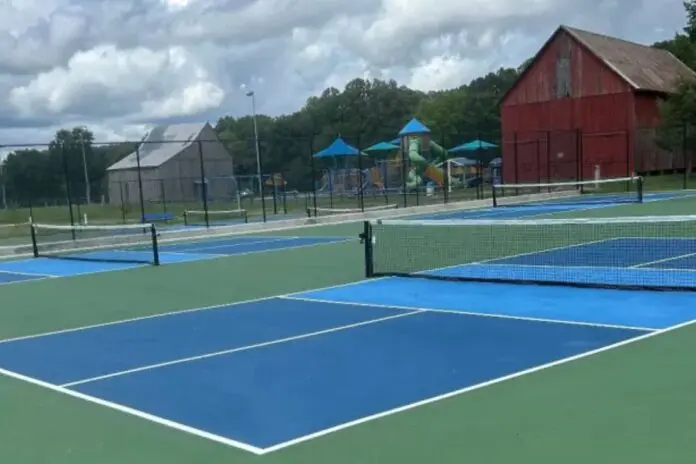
(279, 341)
(664, 260)
(175, 313)
(471, 388)
(33, 274)
(472, 313)
(191, 247)
(134, 412)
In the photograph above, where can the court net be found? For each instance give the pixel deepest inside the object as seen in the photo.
(317, 212)
(631, 252)
(602, 191)
(215, 217)
(124, 243)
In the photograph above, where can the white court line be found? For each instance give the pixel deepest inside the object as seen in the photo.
(664, 260)
(201, 257)
(33, 274)
(529, 253)
(244, 446)
(293, 338)
(133, 412)
(470, 313)
(190, 247)
(178, 312)
(471, 388)
(603, 268)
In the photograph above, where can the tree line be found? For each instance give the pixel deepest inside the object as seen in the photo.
(364, 112)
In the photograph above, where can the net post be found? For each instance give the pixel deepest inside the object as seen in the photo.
(309, 212)
(34, 244)
(494, 195)
(155, 245)
(639, 188)
(245, 214)
(366, 237)
(186, 221)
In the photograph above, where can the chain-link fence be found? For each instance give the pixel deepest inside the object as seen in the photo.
(162, 180)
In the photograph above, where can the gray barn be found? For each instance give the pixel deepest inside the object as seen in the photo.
(170, 167)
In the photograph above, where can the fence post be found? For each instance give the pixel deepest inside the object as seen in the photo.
(446, 172)
(687, 160)
(579, 165)
(68, 195)
(516, 167)
(628, 158)
(314, 173)
(123, 203)
(548, 159)
(275, 193)
(361, 199)
(141, 196)
(204, 183)
(260, 176)
(403, 172)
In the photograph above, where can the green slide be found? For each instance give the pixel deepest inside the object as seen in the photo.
(421, 167)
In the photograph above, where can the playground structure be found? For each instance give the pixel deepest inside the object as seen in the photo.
(412, 162)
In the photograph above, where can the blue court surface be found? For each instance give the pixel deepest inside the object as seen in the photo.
(42, 268)
(266, 374)
(625, 261)
(540, 208)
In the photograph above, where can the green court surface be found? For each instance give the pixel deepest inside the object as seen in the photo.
(633, 404)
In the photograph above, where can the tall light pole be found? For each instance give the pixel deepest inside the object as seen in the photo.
(88, 195)
(252, 95)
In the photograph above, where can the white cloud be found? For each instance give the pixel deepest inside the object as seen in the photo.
(115, 65)
(137, 83)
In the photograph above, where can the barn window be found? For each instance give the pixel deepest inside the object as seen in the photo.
(563, 83)
(563, 77)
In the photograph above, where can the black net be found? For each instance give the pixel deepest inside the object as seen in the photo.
(128, 243)
(213, 218)
(601, 191)
(632, 252)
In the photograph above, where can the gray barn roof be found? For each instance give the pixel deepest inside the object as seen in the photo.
(643, 67)
(159, 146)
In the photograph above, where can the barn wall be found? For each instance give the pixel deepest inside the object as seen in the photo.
(124, 186)
(181, 175)
(550, 137)
(648, 155)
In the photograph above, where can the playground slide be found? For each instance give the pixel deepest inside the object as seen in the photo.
(430, 170)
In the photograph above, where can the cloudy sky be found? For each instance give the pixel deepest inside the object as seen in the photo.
(119, 65)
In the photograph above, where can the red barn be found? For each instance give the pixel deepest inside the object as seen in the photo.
(585, 101)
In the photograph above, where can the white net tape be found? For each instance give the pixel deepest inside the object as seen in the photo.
(646, 220)
(330, 211)
(218, 212)
(101, 228)
(571, 184)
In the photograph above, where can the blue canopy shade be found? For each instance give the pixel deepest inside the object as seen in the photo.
(338, 148)
(396, 141)
(414, 127)
(474, 145)
(383, 146)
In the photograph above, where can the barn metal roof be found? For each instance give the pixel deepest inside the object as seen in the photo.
(161, 144)
(643, 67)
